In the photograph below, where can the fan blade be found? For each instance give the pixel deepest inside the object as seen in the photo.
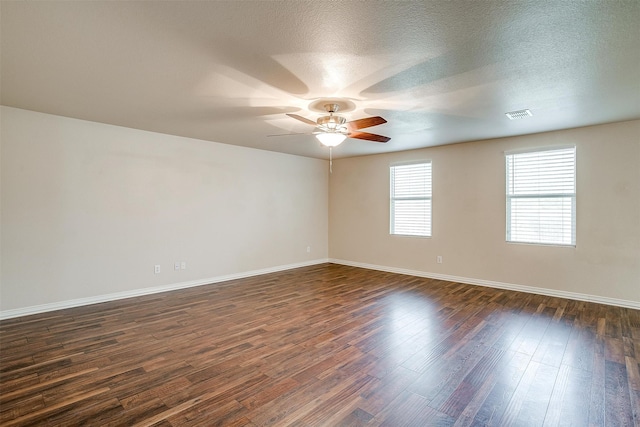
(365, 123)
(287, 134)
(368, 136)
(302, 119)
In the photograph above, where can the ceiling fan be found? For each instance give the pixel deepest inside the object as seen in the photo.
(333, 129)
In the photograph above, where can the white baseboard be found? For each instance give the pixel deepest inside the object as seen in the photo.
(36, 309)
(43, 308)
(499, 285)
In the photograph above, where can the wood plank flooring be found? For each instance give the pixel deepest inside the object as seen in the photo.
(326, 345)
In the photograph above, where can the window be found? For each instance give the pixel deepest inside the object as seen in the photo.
(411, 199)
(541, 196)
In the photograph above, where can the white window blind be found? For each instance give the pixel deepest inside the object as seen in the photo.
(541, 196)
(411, 199)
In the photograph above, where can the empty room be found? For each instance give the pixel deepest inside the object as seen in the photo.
(320, 213)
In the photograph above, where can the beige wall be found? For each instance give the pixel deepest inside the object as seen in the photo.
(88, 209)
(469, 215)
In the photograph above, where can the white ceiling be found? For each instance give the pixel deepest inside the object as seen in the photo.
(440, 72)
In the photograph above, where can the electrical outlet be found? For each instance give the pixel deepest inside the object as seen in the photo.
(156, 268)
(183, 265)
(308, 249)
(176, 266)
(439, 259)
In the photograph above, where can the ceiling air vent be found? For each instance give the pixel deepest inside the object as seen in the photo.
(519, 114)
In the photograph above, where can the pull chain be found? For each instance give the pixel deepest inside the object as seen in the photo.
(330, 161)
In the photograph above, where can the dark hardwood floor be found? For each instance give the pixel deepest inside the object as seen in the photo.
(325, 345)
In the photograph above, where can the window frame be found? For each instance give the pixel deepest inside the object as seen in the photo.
(393, 199)
(548, 195)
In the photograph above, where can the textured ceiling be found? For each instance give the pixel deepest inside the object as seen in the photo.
(440, 72)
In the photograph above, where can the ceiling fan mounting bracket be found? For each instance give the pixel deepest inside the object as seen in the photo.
(331, 108)
(344, 105)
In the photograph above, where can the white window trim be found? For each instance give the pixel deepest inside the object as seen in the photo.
(536, 149)
(550, 195)
(392, 199)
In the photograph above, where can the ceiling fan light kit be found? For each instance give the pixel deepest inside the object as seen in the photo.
(331, 139)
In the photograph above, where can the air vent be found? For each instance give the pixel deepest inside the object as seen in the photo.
(519, 114)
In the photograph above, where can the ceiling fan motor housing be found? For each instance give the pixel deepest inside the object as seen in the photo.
(331, 122)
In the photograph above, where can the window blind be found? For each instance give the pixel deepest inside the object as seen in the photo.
(541, 196)
(411, 199)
